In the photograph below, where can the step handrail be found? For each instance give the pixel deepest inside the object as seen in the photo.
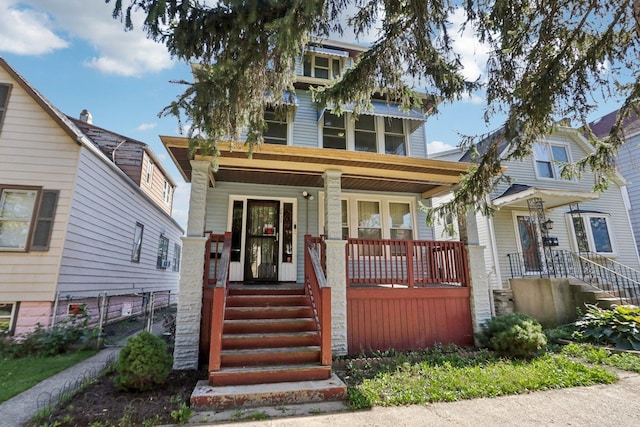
(218, 304)
(320, 294)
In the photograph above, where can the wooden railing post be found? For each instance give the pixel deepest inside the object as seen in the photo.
(409, 256)
(218, 304)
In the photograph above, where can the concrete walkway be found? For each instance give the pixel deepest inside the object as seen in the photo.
(16, 411)
(601, 405)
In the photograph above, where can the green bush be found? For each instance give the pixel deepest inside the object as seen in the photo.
(71, 334)
(143, 363)
(513, 335)
(618, 326)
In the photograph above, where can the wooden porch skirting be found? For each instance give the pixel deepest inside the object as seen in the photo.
(407, 318)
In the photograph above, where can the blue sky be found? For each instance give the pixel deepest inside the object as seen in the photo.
(78, 57)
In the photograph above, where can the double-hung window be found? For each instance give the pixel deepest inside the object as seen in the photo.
(592, 233)
(26, 218)
(365, 134)
(175, 266)
(5, 90)
(7, 314)
(322, 67)
(334, 131)
(137, 242)
(166, 192)
(394, 139)
(163, 253)
(276, 130)
(549, 159)
(149, 173)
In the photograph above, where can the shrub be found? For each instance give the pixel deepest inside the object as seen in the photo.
(618, 326)
(513, 335)
(143, 363)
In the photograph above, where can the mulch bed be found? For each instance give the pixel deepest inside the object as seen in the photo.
(101, 402)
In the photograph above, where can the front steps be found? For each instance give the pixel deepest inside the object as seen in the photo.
(270, 353)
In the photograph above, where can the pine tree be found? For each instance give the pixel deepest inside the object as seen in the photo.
(548, 59)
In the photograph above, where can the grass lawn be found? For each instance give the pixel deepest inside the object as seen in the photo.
(445, 377)
(18, 375)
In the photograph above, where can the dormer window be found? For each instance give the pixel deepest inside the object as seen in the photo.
(322, 67)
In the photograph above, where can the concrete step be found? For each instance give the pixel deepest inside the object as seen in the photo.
(286, 312)
(270, 356)
(268, 374)
(205, 396)
(269, 340)
(253, 326)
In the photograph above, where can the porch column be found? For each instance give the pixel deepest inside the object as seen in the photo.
(336, 260)
(187, 339)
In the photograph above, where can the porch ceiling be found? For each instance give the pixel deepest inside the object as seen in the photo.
(516, 197)
(302, 166)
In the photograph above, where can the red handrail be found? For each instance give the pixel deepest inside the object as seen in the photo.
(407, 263)
(319, 292)
(219, 300)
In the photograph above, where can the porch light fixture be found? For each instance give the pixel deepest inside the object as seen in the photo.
(547, 225)
(307, 195)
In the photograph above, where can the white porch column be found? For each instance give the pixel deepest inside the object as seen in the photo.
(480, 293)
(336, 260)
(187, 340)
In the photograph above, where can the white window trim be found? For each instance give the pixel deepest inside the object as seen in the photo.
(350, 130)
(289, 117)
(149, 173)
(11, 316)
(31, 221)
(166, 192)
(590, 240)
(330, 59)
(352, 214)
(555, 168)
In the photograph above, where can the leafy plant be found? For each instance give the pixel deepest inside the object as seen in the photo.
(513, 335)
(143, 363)
(618, 326)
(603, 356)
(182, 415)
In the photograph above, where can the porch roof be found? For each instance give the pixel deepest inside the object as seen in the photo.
(303, 166)
(517, 195)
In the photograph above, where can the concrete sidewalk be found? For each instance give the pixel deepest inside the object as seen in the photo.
(601, 405)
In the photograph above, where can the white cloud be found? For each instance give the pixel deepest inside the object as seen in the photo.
(126, 53)
(473, 54)
(438, 146)
(472, 99)
(25, 31)
(146, 126)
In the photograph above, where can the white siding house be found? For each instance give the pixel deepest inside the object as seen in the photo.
(70, 219)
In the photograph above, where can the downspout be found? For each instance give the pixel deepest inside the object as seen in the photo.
(55, 309)
(113, 153)
(494, 255)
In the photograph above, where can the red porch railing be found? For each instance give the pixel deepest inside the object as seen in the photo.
(406, 263)
(216, 287)
(320, 294)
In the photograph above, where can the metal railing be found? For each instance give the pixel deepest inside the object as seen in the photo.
(619, 280)
(320, 293)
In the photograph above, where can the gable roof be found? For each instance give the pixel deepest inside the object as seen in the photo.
(602, 126)
(483, 146)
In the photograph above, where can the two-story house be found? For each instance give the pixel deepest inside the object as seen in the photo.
(354, 186)
(84, 220)
(549, 230)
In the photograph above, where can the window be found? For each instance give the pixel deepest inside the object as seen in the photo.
(400, 222)
(333, 132)
(369, 226)
(7, 314)
(321, 67)
(175, 266)
(5, 90)
(17, 214)
(345, 219)
(365, 134)
(163, 253)
(548, 159)
(137, 242)
(166, 192)
(394, 140)
(592, 233)
(276, 131)
(149, 173)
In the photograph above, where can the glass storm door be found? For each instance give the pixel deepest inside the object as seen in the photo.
(261, 249)
(528, 244)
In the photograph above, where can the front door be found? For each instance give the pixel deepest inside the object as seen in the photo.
(529, 244)
(262, 234)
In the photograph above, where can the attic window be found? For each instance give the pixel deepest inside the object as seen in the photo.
(5, 90)
(322, 67)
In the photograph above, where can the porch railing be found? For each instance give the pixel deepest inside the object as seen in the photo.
(320, 293)
(406, 263)
(217, 257)
(621, 281)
